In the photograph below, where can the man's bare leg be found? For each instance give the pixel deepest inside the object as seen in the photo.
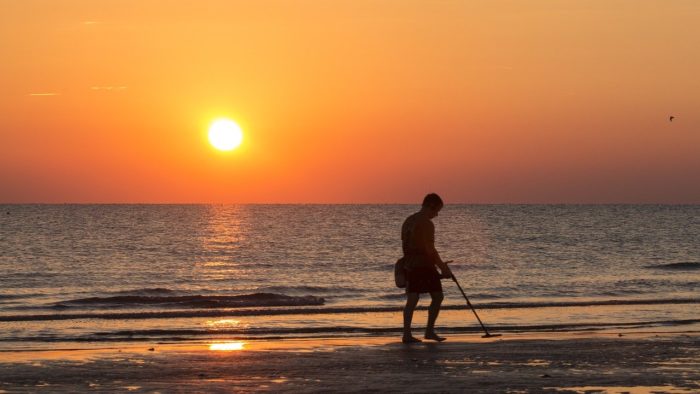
(411, 302)
(433, 312)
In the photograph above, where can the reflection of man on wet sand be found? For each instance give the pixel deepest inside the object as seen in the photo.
(421, 260)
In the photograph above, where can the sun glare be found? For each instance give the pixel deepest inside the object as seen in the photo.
(227, 346)
(225, 134)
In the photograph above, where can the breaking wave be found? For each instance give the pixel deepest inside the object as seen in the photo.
(308, 306)
(193, 301)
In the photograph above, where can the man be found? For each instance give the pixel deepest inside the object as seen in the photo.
(421, 260)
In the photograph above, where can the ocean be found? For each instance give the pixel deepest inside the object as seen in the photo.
(95, 275)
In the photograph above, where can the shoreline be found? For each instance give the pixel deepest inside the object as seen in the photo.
(309, 343)
(569, 362)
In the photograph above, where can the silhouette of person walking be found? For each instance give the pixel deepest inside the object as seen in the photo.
(420, 261)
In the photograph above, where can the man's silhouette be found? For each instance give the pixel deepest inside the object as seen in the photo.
(421, 260)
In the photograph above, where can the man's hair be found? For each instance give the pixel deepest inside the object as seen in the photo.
(432, 200)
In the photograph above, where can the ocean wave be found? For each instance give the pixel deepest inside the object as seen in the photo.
(321, 331)
(402, 296)
(310, 310)
(194, 301)
(146, 291)
(311, 289)
(16, 296)
(676, 266)
(391, 296)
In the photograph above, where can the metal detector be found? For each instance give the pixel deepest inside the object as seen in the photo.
(487, 335)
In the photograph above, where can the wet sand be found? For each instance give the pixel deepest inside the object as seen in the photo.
(643, 362)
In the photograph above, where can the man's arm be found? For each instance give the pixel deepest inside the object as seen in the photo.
(429, 244)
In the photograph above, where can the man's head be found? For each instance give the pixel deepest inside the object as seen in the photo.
(432, 203)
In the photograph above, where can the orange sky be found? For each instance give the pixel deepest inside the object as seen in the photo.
(350, 101)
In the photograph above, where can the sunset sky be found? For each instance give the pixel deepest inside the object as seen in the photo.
(350, 101)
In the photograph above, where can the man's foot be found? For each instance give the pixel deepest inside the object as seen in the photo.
(434, 337)
(410, 340)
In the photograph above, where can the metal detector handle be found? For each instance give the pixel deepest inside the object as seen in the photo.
(462, 291)
(442, 275)
(470, 305)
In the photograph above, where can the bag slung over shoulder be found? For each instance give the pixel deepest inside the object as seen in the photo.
(400, 273)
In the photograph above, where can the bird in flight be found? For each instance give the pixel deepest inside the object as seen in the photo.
(670, 118)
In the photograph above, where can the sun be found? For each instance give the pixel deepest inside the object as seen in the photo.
(225, 134)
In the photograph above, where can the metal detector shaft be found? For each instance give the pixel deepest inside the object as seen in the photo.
(470, 306)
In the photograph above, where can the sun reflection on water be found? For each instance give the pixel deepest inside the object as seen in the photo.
(223, 234)
(227, 346)
(223, 323)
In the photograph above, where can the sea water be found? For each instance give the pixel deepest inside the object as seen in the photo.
(86, 274)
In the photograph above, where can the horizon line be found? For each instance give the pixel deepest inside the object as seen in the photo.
(347, 203)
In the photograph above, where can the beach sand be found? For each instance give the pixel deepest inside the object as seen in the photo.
(515, 363)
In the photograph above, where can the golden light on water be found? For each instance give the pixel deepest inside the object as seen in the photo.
(223, 322)
(227, 346)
